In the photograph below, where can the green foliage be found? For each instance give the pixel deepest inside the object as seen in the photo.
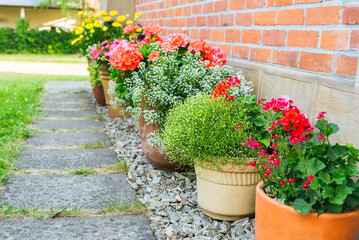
(83, 171)
(333, 167)
(95, 77)
(204, 129)
(22, 39)
(19, 99)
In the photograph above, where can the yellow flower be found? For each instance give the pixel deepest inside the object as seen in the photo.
(89, 26)
(121, 18)
(127, 15)
(80, 13)
(97, 15)
(104, 28)
(102, 13)
(116, 24)
(83, 24)
(139, 30)
(85, 14)
(129, 22)
(138, 15)
(91, 35)
(92, 30)
(107, 19)
(98, 24)
(81, 36)
(79, 31)
(76, 40)
(75, 27)
(88, 20)
(113, 13)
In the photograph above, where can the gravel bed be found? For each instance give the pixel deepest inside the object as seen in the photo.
(171, 197)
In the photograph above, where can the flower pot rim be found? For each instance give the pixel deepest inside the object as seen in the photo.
(261, 192)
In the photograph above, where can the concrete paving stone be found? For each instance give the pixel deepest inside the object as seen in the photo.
(68, 86)
(67, 139)
(89, 228)
(55, 106)
(60, 159)
(68, 114)
(56, 191)
(70, 95)
(50, 99)
(89, 125)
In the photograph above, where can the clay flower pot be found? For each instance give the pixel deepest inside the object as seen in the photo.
(105, 77)
(275, 220)
(154, 154)
(99, 95)
(229, 193)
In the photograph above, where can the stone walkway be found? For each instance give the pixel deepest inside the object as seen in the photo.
(67, 129)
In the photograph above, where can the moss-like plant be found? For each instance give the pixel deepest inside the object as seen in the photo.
(210, 130)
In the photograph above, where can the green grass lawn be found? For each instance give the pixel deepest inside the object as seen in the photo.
(40, 77)
(68, 58)
(19, 99)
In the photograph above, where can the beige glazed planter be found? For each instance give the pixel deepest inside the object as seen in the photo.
(227, 194)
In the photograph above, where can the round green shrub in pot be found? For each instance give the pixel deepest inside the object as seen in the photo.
(207, 133)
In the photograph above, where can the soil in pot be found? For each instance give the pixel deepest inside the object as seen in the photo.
(154, 154)
(275, 220)
(227, 193)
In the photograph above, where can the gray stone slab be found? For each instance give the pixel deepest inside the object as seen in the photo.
(56, 106)
(68, 125)
(70, 95)
(89, 228)
(60, 159)
(50, 99)
(68, 86)
(68, 114)
(66, 139)
(55, 191)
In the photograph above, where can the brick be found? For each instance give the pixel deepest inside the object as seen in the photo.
(240, 52)
(217, 34)
(335, 39)
(354, 40)
(171, 13)
(347, 65)
(264, 18)
(179, 12)
(182, 22)
(300, 38)
(197, 9)
(204, 34)
(208, 7)
(317, 62)
(351, 14)
(227, 20)
(251, 36)
(323, 15)
(213, 21)
(274, 37)
(255, 3)
(307, 1)
(187, 11)
(221, 5)
(194, 34)
(191, 21)
(244, 19)
(237, 4)
(276, 3)
(226, 48)
(200, 21)
(233, 35)
(261, 54)
(286, 58)
(290, 17)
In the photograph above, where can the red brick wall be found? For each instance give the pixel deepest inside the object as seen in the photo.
(312, 35)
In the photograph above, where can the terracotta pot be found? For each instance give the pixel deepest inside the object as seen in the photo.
(99, 95)
(229, 193)
(154, 154)
(105, 77)
(275, 220)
